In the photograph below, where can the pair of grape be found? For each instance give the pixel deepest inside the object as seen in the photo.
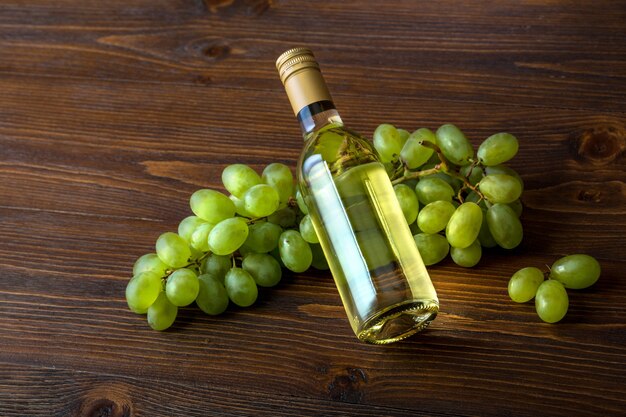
(469, 200)
(255, 225)
(551, 301)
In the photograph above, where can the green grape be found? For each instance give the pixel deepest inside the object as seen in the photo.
(182, 287)
(329, 143)
(276, 254)
(413, 153)
(576, 271)
(387, 142)
(433, 160)
(238, 178)
(307, 231)
(211, 205)
(162, 313)
(212, 296)
(474, 197)
(551, 301)
(474, 175)
(500, 188)
(319, 259)
(216, 265)
(263, 237)
(142, 290)
(524, 283)
(280, 177)
(408, 202)
(454, 145)
(435, 216)
(173, 250)
(241, 288)
(228, 235)
(263, 268)
(484, 236)
(200, 237)
(455, 183)
(503, 169)
(240, 207)
(497, 149)
(404, 135)
(433, 189)
(285, 217)
(261, 200)
(301, 204)
(195, 254)
(464, 225)
(504, 226)
(244, 250)
(517, 207)
(294, 251)
(188, 225)
(433, 247)
(138, 310)
(150, 262)
(467, 257)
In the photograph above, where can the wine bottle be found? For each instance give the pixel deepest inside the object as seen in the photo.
(383, 283)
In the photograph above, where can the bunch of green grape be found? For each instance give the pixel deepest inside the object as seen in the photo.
(551, 301)
(230, 246)
(455, 200)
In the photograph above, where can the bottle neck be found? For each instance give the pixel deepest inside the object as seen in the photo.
(317, 115)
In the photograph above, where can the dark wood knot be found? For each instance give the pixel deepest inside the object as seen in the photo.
(203, 79)
(216, 50)
(590, 195)
(599, 145)
(106, 401)
(348, 386)
(251, 7)
(104, 407)
(214, 5)
(258, 7)
(209, 49)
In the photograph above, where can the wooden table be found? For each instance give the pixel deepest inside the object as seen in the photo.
(113, 112)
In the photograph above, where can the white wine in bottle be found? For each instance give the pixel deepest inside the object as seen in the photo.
(383, 283)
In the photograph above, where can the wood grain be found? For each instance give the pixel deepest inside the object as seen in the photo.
(113, 113)
(536, 53)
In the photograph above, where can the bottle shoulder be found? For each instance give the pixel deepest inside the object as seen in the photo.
(339, 147)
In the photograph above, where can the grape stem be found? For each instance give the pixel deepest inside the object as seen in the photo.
(409, 175)
(546, 274)
(443, 166)
(196, 262)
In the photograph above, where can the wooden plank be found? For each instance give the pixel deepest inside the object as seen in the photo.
(63, 392)
(107, 154)
(112, 113)
(528, 53)
(69, 297)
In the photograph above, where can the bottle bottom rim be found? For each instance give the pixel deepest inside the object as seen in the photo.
(398, 322)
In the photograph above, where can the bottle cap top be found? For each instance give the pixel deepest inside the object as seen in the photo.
(300, 74)
(294, 60)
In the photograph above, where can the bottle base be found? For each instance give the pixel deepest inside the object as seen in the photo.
(398, 322)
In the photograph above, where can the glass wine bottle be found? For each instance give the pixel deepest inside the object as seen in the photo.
(383, 283)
